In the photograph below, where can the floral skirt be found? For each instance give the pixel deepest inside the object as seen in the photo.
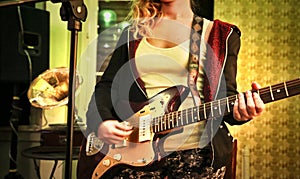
(188, 164)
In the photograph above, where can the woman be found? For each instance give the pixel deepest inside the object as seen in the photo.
(168, 45)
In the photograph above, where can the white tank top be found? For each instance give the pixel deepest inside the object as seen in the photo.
(160, 68)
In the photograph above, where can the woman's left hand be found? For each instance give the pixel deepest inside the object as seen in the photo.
(249, 106)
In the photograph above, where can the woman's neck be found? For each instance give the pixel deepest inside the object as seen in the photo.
(173, 27)
(176, 9)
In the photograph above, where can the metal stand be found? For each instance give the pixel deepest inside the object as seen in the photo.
(14, 123)
(73, 11)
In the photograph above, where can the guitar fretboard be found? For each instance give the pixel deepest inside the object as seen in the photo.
(221, 107)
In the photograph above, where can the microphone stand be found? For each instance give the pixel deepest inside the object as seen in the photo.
(14, 123)
(72, 11)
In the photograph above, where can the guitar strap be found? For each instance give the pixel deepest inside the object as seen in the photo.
(194, 55)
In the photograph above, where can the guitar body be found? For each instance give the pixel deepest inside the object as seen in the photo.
(140, 148)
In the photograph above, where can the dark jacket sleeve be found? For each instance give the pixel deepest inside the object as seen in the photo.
(230, 70)
(223, 141)
(101, 105)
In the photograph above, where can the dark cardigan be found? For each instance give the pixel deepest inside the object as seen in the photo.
(119, 83)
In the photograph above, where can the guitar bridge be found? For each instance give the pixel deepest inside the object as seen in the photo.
(93, 144)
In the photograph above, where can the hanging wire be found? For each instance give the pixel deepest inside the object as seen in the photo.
(25, 50)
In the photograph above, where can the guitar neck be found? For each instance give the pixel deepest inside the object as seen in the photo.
(222, 107)
(280, 91)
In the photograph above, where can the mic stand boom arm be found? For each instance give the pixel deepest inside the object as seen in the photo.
(7, 3)
(73, 11)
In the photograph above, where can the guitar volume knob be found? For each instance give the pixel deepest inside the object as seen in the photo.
(106, 162)
(117, 157)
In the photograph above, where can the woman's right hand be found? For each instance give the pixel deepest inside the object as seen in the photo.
(113, 131)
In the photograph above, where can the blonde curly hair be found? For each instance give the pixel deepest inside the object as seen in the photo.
(142, 16)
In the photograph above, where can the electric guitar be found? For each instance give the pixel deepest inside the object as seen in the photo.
(159, 115)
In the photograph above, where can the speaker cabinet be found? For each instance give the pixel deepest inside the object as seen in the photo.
(24, 54)
(24, 43)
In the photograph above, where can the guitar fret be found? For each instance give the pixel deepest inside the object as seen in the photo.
(231, 102)
(192, 114)
(164, 122)
(155, 125)
(236, 97)
(186, 117)
(286, 90)
(198, 114)
(161, 124)
(271, 93)
(181, 118)
(211, 109)
(195, 114)
(174, 118)
(227, 102)
(219, 104)
(168, 121)
(204, 111)
(171, 121)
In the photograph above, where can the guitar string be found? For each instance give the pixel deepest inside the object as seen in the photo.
(165, 119)
(262, 91)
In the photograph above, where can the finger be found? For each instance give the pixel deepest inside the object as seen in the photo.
(236, 113)
(251, 108)
(122, 133)
(259, 104)
(124, 126)
(255, 85)
(111, 139)
(242, 107)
